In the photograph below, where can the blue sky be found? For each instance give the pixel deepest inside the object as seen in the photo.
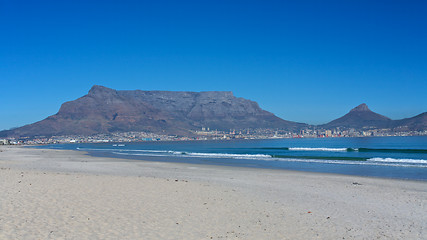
(305, 61)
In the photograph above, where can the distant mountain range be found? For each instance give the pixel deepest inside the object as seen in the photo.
(105, 110)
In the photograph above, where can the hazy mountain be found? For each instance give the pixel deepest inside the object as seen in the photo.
(105, 110)
(358, 118)
(417, 123)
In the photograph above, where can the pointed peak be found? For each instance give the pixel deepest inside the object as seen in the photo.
(99, 89)
(361, 108)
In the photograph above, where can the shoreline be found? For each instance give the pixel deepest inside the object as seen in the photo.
(215, 139)
(287, 204)
(342, 165)
(219, 167)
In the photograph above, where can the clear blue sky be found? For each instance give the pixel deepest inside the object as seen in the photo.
(305, 61)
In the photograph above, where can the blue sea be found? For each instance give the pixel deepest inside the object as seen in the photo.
(385, 157)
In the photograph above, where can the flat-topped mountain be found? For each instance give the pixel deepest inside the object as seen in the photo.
(360, 117)
(105, 110)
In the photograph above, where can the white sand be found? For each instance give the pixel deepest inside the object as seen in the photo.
(54, 194)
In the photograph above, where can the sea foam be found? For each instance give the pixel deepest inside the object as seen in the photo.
(397, 160)
(318, 149)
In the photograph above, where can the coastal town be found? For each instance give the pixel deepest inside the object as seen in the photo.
(208, 134)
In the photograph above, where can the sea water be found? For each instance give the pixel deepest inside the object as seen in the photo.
(387, 157)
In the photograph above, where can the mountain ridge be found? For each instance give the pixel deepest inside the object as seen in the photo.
(106, 110)
(359, 117)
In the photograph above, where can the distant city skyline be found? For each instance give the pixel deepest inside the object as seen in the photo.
(304, 61)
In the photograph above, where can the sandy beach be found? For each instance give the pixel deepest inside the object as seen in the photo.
(60, 194)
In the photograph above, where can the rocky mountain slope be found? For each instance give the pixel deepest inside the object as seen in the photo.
(417, 123)
(361, 117)
(358, 118)
(105, 110)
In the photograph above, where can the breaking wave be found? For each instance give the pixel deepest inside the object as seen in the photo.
(384, 161)
(397, 160)
(322, 149)
(318, 149)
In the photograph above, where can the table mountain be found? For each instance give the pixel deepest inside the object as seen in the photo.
(105, 110)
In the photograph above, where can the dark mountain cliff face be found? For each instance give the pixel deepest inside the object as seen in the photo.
(105, 110)
(217, 110)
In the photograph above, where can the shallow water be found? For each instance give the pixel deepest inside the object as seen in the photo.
(388, 157)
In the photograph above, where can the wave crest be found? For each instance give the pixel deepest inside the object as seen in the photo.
(318, 149)
(398, 160)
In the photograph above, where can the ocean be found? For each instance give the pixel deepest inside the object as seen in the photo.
(385, 157)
